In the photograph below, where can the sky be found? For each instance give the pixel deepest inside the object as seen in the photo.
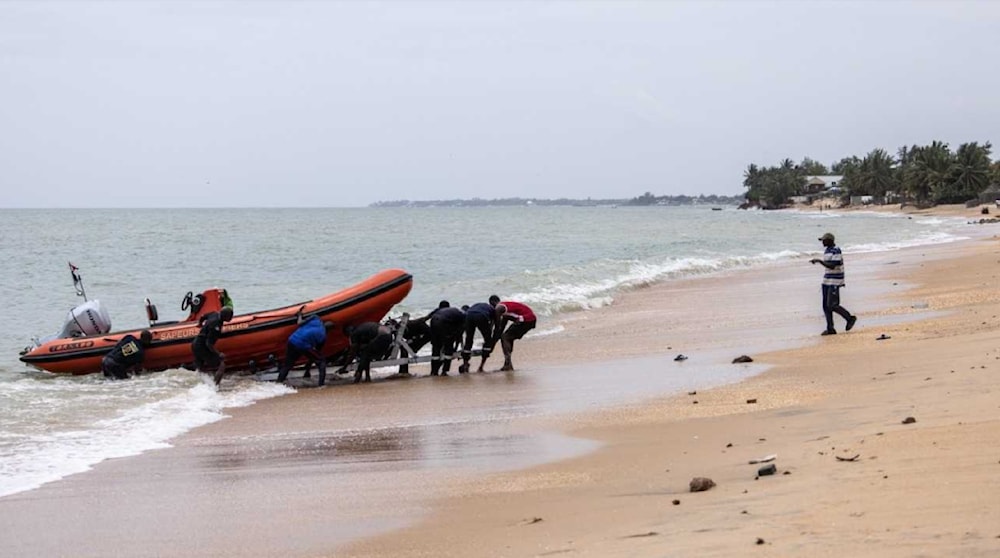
(341, 104)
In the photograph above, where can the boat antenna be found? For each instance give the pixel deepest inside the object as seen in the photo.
(77, 281)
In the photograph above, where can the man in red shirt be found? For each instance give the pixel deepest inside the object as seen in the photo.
(521, 319)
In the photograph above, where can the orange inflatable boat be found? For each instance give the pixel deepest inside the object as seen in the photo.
(249, 341)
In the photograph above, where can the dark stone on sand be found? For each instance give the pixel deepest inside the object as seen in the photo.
(751, 401)
(909, 420)
(766, 470)
(701, 484)
(729, 445)
(642, 535)
(677, 502)
(692, 393)
(743, 358)
(760, 540)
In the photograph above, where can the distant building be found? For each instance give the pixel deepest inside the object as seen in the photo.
(823, 183)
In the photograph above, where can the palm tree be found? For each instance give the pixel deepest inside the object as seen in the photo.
(752, 181)
(970, 171)
(875, 175)
(927, 172)
(812, 167)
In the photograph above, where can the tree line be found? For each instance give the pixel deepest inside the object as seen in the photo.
(923, 174)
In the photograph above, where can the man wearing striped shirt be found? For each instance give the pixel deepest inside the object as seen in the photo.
(833, 280)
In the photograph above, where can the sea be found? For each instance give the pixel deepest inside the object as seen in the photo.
(559, 260)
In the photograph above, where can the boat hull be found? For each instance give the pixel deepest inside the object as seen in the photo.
(246, 339)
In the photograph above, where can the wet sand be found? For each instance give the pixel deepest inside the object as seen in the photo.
(591, 437)
(928, 488)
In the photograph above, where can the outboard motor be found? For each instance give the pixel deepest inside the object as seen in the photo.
(89, 318)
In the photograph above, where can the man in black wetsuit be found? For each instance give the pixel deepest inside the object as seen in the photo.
(446, 330)
(126, 357)
(418, 334)
(369, 341)
(206, 356)
(481, 316)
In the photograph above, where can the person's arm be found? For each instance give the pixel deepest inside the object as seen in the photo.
(316, 351)
(299, 318)
(826, 264)
(830, 260)
(217, 352)
(510, 316)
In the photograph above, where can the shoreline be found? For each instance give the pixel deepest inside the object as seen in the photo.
(631, 498)
(634, 327)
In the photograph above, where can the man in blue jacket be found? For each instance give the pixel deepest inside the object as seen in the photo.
(306, 341)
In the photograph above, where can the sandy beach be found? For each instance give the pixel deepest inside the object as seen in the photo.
(852, 479)
(581, 453)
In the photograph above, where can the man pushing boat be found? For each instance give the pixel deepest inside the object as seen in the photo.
(206, 356)
(126, 357)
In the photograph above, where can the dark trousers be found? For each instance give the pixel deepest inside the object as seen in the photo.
(374, 350)
(444, 337)
(484, 325)
(205, 358)
(514, 332)
(831, 304)
(292, 354)
(416, 336)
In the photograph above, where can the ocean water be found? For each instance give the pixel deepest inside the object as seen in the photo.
(559, 260)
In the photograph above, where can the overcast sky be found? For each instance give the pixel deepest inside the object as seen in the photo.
(262, 104)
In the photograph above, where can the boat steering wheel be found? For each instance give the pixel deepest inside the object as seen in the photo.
(187, 301)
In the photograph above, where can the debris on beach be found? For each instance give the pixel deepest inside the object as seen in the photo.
(852, 458)
(701, 484)
(765, 459)
(680, 358)
(742, 358)
(760, 540)
(767, 470)
(882, 337)
(532, 521)
(641, 535)
(676, 502)
(751, 401)
(909, 420)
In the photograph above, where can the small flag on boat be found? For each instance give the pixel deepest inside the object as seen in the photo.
(77, 280)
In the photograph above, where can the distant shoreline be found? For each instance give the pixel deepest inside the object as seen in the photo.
(640, 201)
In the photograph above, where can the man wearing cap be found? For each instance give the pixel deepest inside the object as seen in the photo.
(833, 280)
